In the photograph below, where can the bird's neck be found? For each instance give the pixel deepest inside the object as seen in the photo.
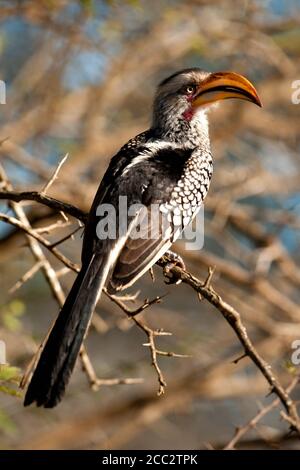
(188, 131)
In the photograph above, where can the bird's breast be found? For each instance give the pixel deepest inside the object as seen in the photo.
(190, 191)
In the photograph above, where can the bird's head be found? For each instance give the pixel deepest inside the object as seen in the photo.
(184, 96)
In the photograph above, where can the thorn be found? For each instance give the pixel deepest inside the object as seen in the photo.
(161, 332)
(238, 359)
(211, 270)
(272, 390)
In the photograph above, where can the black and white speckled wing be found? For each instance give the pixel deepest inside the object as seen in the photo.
(177, 183)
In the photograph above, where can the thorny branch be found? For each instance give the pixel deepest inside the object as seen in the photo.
(233, 317)
(151, 335)
(203, 290)
(34, 234)
(51, 278)
(48, 201)
(242, 430)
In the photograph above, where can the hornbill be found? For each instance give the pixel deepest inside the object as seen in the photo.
(169, 165)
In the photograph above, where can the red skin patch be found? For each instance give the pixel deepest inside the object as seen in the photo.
(188, 114)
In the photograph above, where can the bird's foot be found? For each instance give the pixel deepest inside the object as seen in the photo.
(173, 260)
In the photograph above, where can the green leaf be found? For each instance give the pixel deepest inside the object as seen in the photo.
(10, 391)
(290, 367)
(9, 373)
(11, 314)
(17, 308)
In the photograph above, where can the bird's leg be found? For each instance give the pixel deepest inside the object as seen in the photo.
(173, 260)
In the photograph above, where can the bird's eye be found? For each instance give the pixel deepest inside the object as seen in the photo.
(190, 89)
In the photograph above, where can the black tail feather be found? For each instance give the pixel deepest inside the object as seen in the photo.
(59, 355)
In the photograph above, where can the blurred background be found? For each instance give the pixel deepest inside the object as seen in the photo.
(80, 77)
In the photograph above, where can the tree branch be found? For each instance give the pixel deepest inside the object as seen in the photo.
(233, 318)
(48, 201)
(242, 430)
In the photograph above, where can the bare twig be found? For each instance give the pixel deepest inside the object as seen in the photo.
(151, 334)
(62, 240)
(48, 201)
(242, 430)
(29, 231)
(54, 175)
(132, 313)
(94, 381)
(28, 275)
(40, 258)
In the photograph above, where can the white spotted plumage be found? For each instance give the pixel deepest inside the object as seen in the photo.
(191, 190)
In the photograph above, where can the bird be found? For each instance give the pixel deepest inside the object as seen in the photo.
(168, 166)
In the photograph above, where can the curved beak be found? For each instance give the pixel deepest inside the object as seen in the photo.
(224, 85)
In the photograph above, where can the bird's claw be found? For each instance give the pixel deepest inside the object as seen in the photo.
(174, 260)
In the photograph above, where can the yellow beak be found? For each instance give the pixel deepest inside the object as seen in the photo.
(224, 85)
